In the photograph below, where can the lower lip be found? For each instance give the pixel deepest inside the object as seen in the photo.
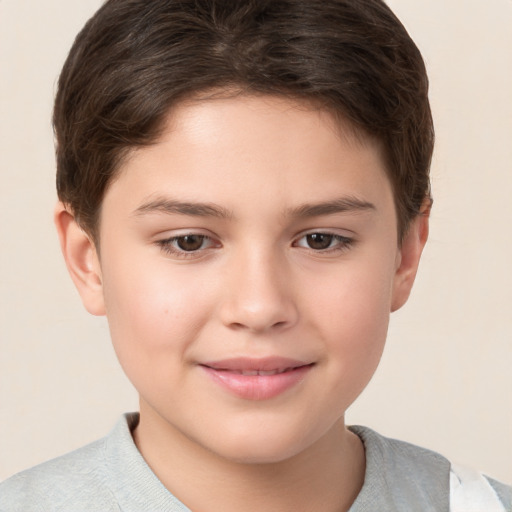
(258, 387)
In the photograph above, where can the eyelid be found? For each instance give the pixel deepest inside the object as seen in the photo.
(166, 244)
(343, 233)
(345, 242)
(167, 247)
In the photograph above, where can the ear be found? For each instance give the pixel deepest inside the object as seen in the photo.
(409, 257)
(81, 259)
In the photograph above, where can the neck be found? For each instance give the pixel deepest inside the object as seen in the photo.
(327, 476)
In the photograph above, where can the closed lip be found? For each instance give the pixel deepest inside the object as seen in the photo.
(257, 379)
(256, 366)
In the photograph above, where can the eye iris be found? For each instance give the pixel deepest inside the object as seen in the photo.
(190, 242)
(319, 241)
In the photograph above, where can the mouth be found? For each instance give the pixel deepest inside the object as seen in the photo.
(257, 379)
(257, 372)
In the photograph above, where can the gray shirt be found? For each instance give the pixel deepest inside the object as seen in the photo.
(111, 475)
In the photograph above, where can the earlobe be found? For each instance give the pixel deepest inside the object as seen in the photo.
(409, 257)
(81, 259)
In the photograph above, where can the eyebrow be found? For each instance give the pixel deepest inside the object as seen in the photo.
(172, 206)
(340, 205)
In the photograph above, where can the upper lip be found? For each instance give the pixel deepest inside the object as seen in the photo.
(248, 364)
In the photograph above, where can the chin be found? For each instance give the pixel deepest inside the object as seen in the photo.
(261, 445)
(258, 454)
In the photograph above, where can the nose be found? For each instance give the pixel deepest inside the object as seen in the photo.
(259, 295)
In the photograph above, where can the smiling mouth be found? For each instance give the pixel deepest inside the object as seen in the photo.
(258, 372)
(253, 379)
(250, 367)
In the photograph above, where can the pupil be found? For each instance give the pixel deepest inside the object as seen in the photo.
(319, 241)
(190, 242)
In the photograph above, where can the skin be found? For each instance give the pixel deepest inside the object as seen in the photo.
(252, 287)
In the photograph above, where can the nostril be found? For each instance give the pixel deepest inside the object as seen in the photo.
(237, 325)
(254, 327)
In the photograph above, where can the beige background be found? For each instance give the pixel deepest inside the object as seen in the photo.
(445, 381)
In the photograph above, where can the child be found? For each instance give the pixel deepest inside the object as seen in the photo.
(244, 193)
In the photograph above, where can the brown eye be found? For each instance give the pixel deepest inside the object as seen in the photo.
(190, 243)
(325, 243)
(319, 241)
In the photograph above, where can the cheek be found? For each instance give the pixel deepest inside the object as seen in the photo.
(354, 300)
(352, 315)
(153, 312)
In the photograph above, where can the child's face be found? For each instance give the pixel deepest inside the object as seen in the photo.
(255, 235)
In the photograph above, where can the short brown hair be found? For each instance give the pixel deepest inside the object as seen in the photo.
(135, 59)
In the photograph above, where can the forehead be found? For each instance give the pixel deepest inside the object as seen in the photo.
(225, 107)
(223, 147)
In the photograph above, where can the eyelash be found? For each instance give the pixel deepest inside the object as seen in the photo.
(343, 243)
(168, 245)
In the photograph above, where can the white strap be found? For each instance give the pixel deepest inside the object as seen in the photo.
(470, 491)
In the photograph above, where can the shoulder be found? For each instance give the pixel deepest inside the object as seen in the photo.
(472, 491)
(400, 458)
(61, 484)
(108, 475)
(403, 476)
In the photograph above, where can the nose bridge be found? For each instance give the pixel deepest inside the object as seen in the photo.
(257, 296)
